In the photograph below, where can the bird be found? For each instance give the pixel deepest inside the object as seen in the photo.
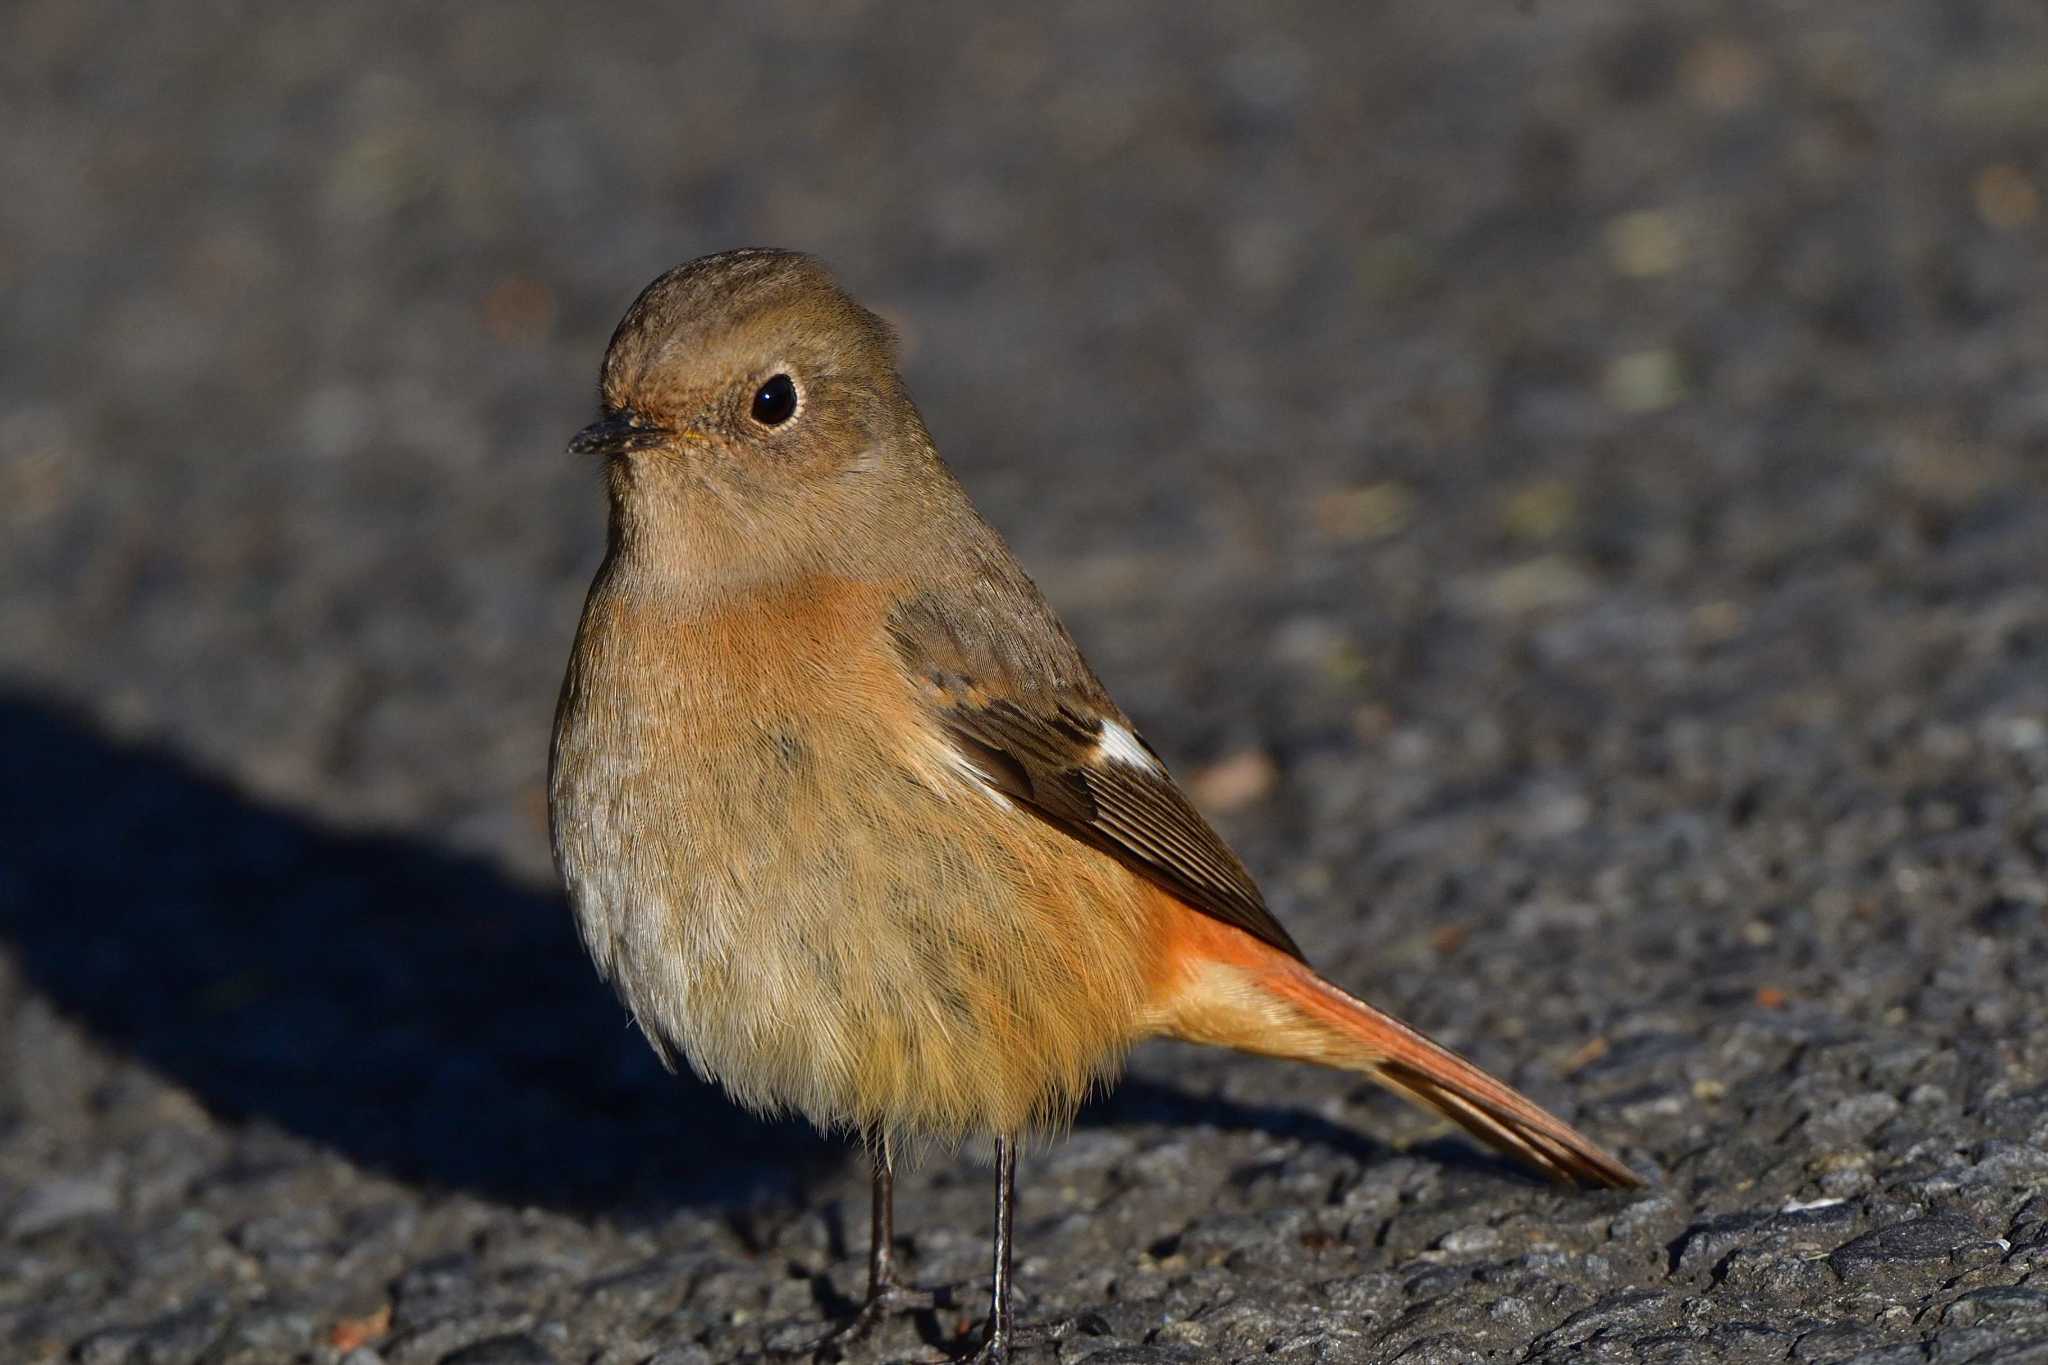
(843, 815)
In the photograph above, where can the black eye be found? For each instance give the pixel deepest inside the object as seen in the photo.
(775, 401)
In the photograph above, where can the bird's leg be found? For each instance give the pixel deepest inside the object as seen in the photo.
(885, 1293)
(995, 1345)
(882, 1224)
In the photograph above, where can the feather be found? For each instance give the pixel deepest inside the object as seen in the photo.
(1043, 732)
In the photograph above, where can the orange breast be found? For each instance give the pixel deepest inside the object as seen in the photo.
(827, 913)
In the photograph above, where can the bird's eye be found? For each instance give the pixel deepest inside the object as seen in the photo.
(775, 401)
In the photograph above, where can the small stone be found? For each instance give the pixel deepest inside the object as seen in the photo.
(1542, 510)
(1835, 1342)
(1645, 244)
(179, 1339)
(2006, 197)
(1742, 1243)
(1916, 1250)
(684, 1353)
(2023, 733)
(1853, 1117)
(1183, 1333)
(2002, 1161)
(351, 1332)
(1716, 621)
(1780, 1275)
(1443, 1350)
(511, 1349)
(518, 310)
(1744, 1341)
(1707, 1242)
(1372, 511)
(1628, 1308)
(1998, 1306)
(1644, 381)
(264, 1332)
(1470, 1241)
(1905, 1353)
(63, 1199)
(1544, 583)
(108, 1346)
(1722, 74)
(1234, 782)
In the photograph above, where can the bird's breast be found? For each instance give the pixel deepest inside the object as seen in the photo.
(704, 765)
(790, 881)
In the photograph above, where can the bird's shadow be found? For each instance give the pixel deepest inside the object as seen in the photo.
(411, 1008)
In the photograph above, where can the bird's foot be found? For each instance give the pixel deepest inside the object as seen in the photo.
(994, 1350)
(997, 1346)
(882, 1304)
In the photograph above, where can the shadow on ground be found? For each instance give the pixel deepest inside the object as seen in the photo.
(412, 1009)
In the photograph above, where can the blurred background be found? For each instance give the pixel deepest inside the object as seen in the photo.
(1563, 482)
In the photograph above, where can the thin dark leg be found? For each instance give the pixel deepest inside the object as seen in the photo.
(995, 1347)
(885, 1295)
(882, 1224)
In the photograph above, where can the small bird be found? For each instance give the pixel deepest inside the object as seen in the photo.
(845, 817)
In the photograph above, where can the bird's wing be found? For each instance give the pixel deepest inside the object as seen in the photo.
(1009, 690)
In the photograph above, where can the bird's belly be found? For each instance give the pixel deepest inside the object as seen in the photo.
(822, 925)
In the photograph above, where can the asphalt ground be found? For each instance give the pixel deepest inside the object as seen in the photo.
(1566, 484)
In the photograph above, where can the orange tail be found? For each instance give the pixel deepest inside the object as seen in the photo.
(1226, 988)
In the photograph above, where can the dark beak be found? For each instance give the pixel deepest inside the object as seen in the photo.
(617, 432)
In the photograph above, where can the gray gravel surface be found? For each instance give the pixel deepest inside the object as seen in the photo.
(1567, 484)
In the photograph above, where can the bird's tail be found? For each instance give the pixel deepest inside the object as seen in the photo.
(1231, 990)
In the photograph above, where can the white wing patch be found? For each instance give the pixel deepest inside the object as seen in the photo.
(952, 767)
(1119, 745)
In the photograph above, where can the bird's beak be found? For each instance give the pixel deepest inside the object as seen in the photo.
(618, 431)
